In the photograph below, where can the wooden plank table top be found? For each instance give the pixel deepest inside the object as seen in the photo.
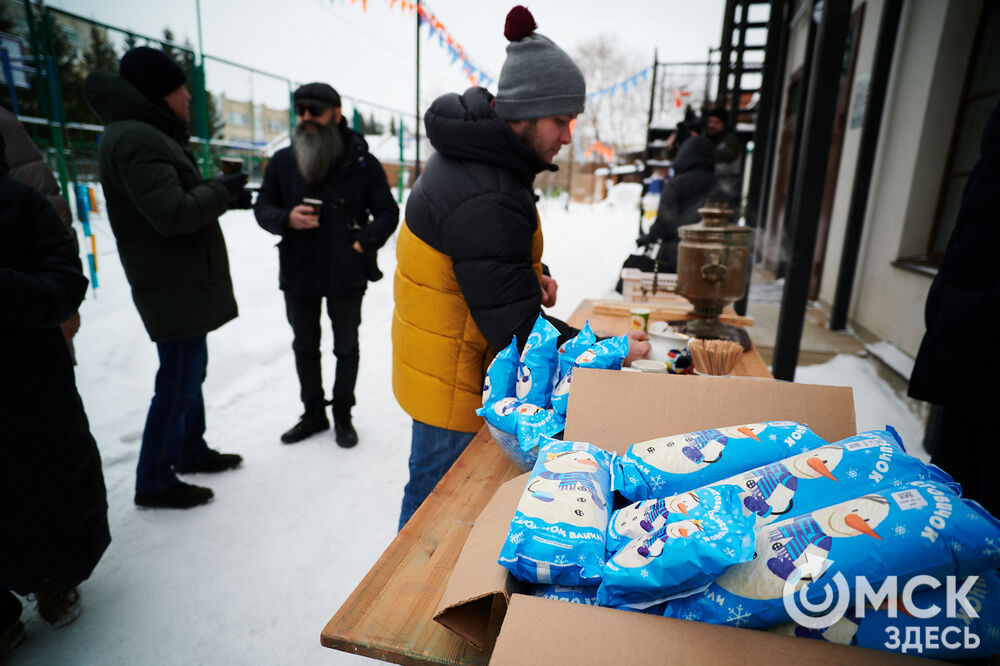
(389, 615)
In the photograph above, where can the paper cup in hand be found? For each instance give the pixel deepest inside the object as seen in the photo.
(315, 204)
(231, 165)
(640, 319)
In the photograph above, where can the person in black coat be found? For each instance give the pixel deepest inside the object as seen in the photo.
(327, 250)
(951, 371)
(53, 520)
(693, 180)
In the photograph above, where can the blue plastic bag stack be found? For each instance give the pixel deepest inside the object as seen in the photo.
(525, 396)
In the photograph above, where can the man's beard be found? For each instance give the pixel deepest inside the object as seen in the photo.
(316, 151)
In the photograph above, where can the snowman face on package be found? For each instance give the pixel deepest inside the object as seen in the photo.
(674, 454)
(644, 517)
(776, 555)
(640, 551)
(586, 357)
(572, 461)
(528, 409)
(819, 462)
(505, 406)
(855, 518)
(574, 505)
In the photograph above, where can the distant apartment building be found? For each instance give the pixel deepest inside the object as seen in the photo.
(252, 123)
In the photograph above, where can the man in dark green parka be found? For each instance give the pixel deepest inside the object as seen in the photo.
(165, 220)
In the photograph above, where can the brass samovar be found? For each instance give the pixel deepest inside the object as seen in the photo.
(712, 268)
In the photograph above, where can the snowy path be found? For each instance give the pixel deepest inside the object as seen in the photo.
(254, 576)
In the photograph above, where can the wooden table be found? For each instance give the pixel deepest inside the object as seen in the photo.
(389, 616)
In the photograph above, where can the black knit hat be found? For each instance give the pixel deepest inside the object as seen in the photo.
(320, 94)
(720, 113)
(152, 72)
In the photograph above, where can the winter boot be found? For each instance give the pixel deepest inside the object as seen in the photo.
(211, 461)
(310, 423)
(181, 496)
(59, 608)
(343, 430)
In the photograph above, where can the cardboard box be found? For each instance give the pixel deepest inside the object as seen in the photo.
(613, 410)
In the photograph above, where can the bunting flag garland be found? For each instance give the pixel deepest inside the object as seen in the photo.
(679, 95)
(435, 27)
(632, 81)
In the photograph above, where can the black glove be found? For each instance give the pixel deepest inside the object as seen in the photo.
(242, 200)
(233, 182)
(643, 240)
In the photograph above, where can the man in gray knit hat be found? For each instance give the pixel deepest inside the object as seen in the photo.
(469, 275)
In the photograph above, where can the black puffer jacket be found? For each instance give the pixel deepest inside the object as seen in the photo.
(164, 216)
(53, 506)
(355, 193)
(964, 299)
(694, 178)
(475, 203)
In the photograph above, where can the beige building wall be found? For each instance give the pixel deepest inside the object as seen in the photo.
(245, 121)
(933, 48)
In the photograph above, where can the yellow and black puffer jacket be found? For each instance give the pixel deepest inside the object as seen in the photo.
(468, 262)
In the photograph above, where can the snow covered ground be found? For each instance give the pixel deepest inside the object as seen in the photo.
(254, 576)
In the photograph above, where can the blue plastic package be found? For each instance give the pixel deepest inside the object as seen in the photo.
(607, 354)
(534, 423)
(501, 376)
(573, 347)
(799, 484)
(706, 533)
(586, 596)
(539, 369)
(670, 465)
(557, 533)
(502, 414)
(879, 631)
(917, 528)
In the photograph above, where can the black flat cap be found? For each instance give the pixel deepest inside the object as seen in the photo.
(317, 93)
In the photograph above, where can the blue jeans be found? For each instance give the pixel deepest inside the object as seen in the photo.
(433, 450)
(175, 425)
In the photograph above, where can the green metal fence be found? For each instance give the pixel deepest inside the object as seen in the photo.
(61, 48)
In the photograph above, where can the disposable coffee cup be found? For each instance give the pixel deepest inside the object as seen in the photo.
(231, 165)
(315, 204)
(640, 318)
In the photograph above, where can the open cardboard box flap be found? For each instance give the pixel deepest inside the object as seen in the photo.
(613, 410)
(543, 631)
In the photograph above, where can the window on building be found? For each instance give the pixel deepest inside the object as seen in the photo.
(982, 94)
(238, 119)
(275, 126)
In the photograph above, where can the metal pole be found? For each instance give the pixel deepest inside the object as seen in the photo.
(725, 50)
(807, 199)
(768, 112)
(887, 31)
(805, 83)
(646, 170)
(402, 161)
(203, 125)
(416, 171)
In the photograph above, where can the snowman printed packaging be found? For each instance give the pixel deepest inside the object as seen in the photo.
(669, 465)
(916, 528)
(557, 533)
(679, 546)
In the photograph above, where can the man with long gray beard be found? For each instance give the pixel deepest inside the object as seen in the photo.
(329, 200)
